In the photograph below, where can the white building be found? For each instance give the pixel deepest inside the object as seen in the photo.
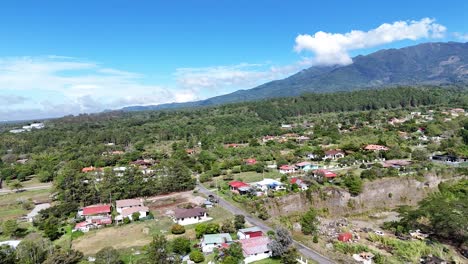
(269, 184)
(190, 216)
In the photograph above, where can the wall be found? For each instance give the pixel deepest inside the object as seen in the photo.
(379, 194)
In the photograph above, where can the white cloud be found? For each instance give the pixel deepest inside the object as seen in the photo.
(334, 48)
(461, 36)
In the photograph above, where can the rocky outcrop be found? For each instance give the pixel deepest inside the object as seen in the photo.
(384, 193)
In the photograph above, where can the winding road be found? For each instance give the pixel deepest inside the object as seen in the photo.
(304, 250)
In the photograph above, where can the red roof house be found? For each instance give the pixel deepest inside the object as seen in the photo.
(325, 173)
(238, 184)
(375, 147)
(250, 161)
(90, 169)
(97, 209)
(345, 237)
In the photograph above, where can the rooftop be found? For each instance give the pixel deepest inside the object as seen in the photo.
(255, 245)
(217, 238)
(186, 213)
(128, 203)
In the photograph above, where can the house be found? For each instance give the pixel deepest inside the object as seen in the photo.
(373, 147)
(250, 161)
(324, 173)
(268, 138)
(270, 184)
(129, 211)
(91, 169)
(302, 139)
(17, 131)
(83, 227)
(127, 207)
(249, 232)
(255, 248)
(95, 216)
(299, 183)
(119, 171)
(286, 169)
(286, 126)
(306, 166)
(334, 154)
(190, 216)
(345, 237)
(210, 242)
(239, 187)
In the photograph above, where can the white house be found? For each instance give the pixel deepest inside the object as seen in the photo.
(190, 216)
(127, 203)
(11, 243)
(129, 211)
(286, 169)
(210, 242)
(270, 184)
(255, 248)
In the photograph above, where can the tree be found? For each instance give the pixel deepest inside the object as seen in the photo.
(181, 245)
(309, 222)
(290, 256)
(419, 154)
(158, 252)
(177, 229)
(235, 251)
(280, 244)
(227, 226)
(196, 256)
(7, 255)
(10, 227)
(354, 184)
(51, 228)
(60, 256)
(16, 185)
(108, 255)
(136, 216)
(239, 221)
(34, 249)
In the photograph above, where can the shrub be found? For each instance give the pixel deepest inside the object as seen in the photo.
(177, 229)
(196, 256)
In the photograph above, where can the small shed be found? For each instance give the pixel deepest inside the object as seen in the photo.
(345, 237)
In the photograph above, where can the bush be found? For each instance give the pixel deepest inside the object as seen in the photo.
(315, 239)
(126, 220)
(177, 229)
(196, 256)
(76, 234)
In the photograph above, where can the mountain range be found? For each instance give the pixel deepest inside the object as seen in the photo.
(442, 63)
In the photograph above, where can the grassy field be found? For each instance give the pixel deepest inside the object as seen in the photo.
(136, 235)
(10, 203)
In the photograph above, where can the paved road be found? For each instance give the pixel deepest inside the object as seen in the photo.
(305, 251)
(41, 187)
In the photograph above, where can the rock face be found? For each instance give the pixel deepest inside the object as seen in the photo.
(379, 194)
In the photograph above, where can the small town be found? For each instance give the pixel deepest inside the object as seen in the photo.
(233, 132)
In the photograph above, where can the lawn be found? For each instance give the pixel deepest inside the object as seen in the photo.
(137, 235)
(10, 206)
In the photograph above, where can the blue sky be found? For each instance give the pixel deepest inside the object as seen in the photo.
(59, 57)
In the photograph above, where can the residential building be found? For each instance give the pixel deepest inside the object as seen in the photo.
(324, 173)
(345, 237)
(249, 232)
(334, 154)
(303, 186)
(250, 161)
(306, 166)
(255, 248)
(129, 211)
(212, 241)
(286, 169)
(190, 216)
(239, 187)
(95, 216)
(269, 185)
(373, 147)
